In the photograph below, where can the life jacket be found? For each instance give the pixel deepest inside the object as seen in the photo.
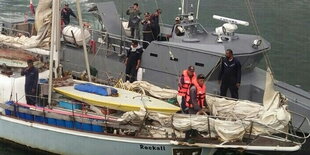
(201, 96)
(183, 87)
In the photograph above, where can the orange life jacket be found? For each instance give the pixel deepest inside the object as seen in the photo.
(183, 87)
(201, 96)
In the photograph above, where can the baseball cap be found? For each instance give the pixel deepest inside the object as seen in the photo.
(191, 68)
(177, 18)
(200, 76)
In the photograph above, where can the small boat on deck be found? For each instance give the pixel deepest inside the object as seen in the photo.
(125, 101)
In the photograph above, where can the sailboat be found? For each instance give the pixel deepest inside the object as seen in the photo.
(72, 131)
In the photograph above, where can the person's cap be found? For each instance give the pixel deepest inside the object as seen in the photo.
(135, 42)
(177, 18)
(66, 4)
(29, 61)
(200, 76)
(191, 68)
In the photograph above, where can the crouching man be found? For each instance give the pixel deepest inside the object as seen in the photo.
(196, 96)
(195, 102)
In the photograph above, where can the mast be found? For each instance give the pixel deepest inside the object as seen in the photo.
(53, 48)
(188, 9)
(84, 42)
(197, 10)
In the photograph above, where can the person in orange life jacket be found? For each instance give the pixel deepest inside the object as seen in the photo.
(195, 103)
(65, 14)
(230, 75)
(196, 96)
(133, 61)
(185, 80)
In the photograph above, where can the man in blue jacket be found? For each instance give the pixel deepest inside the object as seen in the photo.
(31, 81)
(66, 12)
(133, 61)
(230, 75)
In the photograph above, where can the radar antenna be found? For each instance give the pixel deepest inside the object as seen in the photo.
(228, 29)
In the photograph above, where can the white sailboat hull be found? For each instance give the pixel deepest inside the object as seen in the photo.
(64, 141)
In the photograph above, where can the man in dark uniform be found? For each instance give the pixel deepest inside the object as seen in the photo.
(133, 61)
(134, 20)
(147, 30)
(230, 75)
(31, 81)
(155, 23)
(65, 14)
(176, 28)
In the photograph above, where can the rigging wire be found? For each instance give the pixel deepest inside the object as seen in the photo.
(258, 34)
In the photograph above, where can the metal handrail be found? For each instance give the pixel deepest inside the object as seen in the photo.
(119, 37)
(21, 31)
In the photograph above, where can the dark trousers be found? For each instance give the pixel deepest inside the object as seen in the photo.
(232, 88)
(131, 73)
(148, 36)
(135, 33)
(31, 97)
(183, 106)
(156, 31)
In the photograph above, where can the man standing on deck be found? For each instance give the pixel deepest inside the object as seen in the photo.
(147, 30)
(65, 14)
(31, 81)
(133, 61)
(134, 20)
(155, 23)
(230, 75)
(185, 81)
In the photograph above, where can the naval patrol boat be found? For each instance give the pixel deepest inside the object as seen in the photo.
(164, 59)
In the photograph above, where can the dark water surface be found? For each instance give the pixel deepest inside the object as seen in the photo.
(284, 23)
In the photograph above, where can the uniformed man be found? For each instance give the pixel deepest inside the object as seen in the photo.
(230, 75)
(147, 30)
(133, 61)
(66, 12)
(134, 20)
(155, 23)
(31, 81)
(176, 28)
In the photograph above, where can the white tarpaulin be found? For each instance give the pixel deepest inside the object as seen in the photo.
(230, 119)
(155, 91)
